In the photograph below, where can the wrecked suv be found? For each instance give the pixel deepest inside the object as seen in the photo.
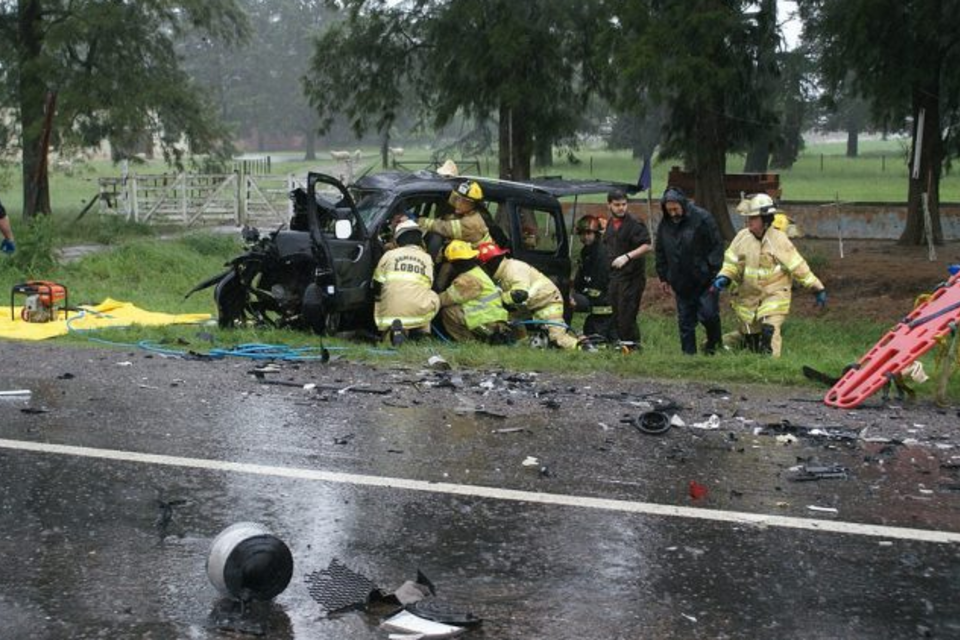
(316, 274)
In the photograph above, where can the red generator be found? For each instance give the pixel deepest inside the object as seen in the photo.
(44, 299)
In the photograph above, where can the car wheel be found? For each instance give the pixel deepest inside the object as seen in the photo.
(230, 299)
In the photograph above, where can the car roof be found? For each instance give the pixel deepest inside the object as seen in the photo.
(537, 188)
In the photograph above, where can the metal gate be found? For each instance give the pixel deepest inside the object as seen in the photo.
(187, 199)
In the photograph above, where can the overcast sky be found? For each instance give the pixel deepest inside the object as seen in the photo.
(791, 28)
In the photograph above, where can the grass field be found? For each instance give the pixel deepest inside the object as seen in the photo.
(155, 274)
(822, 173)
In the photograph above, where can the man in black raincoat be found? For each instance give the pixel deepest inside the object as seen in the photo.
(689, 254)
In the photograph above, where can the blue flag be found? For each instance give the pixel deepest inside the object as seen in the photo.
(645, 180)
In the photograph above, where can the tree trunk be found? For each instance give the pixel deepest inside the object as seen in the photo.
(544, 153)
(514, 153)
(385, 150)
(853, 141)
(310, 142)
(32, 88)
(928, 175)
(709, 163)
(758, 158)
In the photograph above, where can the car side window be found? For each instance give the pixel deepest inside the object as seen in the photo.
(538, 230)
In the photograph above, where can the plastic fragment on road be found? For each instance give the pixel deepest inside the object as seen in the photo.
(713, 422)
(697, 491)
(438, 363)
(409, 623)
(531, 461)
(813, 507)
(786, 438)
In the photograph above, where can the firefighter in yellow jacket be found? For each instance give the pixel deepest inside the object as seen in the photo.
(467, 223)
(761, 265)
(526, 288)
(405, 301)
(471, 307)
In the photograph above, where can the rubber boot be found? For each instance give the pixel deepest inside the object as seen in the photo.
(397, 337)
(766, 335)
(714, 336)
(751, 341)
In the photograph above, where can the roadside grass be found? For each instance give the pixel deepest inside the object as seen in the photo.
(155, 275)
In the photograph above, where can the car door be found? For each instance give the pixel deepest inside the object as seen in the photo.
(351, 263)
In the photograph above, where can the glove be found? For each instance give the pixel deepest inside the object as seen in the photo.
(821, 297)
(619, 261)
(720, 283)
(519, 296)
(7, 246)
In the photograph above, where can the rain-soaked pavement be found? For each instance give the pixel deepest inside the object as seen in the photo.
(121, 467)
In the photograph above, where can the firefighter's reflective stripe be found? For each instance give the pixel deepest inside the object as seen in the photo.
(406, 276)
(470, 228)
(549, 312)
(514, 274)
(601, 311)
(396, 276)
(762, 272)
(486, 308)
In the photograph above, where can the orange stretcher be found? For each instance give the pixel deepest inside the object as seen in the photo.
(911, 338)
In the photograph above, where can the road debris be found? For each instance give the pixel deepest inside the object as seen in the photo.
(813, 507)
(652, 423)
(247, 562)
(807, 473)
(697, 491)
(713, 422)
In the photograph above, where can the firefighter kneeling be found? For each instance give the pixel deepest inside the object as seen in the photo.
(471, 307)
(530, 293)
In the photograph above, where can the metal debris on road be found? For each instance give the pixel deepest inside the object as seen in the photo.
(338, 588)
(807, 473)
(247, 562)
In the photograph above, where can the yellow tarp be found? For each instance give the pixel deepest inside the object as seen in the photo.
(109, 313)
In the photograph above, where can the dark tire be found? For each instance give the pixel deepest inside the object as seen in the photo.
(230, 297)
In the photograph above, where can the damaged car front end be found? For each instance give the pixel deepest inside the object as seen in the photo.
(311, 276)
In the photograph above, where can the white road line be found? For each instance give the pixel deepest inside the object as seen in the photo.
(494, 493)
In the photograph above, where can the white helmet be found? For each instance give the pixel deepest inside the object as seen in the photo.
(404, 227)
(758, 204)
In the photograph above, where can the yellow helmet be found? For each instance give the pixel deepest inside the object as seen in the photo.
(758, 204)
(468, 191)
(788, 226)
(459, 250)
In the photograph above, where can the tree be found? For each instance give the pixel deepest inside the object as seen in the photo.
(698, 58)
(847, 112)
(904, 56)
(528, 64)
(115, 75)
(794, 102)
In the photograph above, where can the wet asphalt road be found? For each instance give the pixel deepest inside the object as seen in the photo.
(100, 543)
